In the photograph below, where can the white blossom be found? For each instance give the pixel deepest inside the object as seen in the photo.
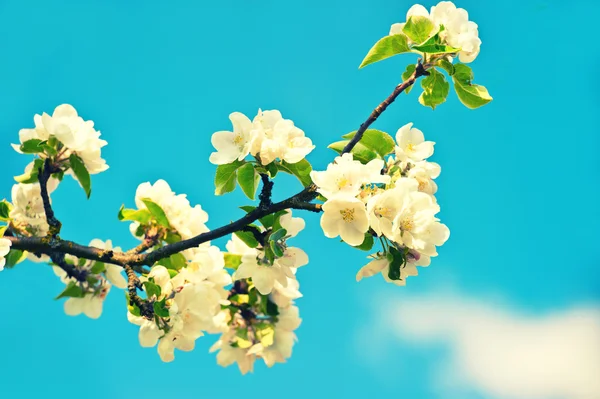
(411, 144)
(28, 207)
(382, 265)
(345, 176)
(90, 304)
(4, 250)
(262, 273)
(233, 145)
(345, 217)
(77, 135)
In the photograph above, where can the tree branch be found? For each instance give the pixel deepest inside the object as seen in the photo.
(301, 200)
(44, 174)
(419, 71)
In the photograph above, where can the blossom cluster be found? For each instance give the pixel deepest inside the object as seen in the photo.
(4, 250)
(66, 132)
(268, 137)
(185, 220)
(187, 303)
(393, 201)
(458, 31)
(88, 297)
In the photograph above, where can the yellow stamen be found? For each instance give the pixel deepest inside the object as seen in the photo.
(347, 215)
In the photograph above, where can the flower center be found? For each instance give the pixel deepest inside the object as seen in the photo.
(238, 139)
(342, 182)
(410, 147)
(422, 185)
(407, 223)
(383, 211)
(347, 215)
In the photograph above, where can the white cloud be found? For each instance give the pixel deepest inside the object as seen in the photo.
(499, 352)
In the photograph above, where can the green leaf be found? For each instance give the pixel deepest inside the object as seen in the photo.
(51, 151)
(276, 248)
(446, 65)
(367, 244)
(225, 177)
(272, 169)
(396, 262)
(143, 216)
(247, 208)
(172, 238)
(434, 45)
(386, 48)
(277, 235)
(418, 28)
(2, 230)
(82, 174)
(32, 146)
(15, 257)
(376, 140)
(98, 268)
(269, 254)
(300, 169)
(32, 176)
(172, 273)
(157, 212)
(247, 238)
(160, 308)
(435, 89)
(72, 290)
(132, 307)
(232, 261)
(471, 95)
(5, 208)
(177, 261)
(248, 180)
(410, 69)
(272, 219)
(152, 289)
(360, 152)
(271, 308)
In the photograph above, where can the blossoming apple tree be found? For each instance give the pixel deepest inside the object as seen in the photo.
(377, 196)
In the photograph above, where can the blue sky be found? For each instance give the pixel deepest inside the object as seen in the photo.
(518, 187)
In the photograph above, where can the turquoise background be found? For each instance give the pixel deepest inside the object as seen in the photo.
(519, 184)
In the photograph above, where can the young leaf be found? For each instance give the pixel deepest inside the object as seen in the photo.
(300, 169)
(178, 261)
(157, 212)
(225, 177)
(396, 262)
(32, 146)
(367, 244)
(5, 208)
(160, 308)
(232, 261)
(32, 176)
(359, 152)
(247, 238)
(152, 289)
(472, 96)
(82, 174)
(270, 220)
(98, 268)
(248, 180)
(446, 65)
(435, 89)
(247, 208)
(434, 45)
(142, 216)
(410, 69)
(15, 257)
(72, 290)
(276, 248)
(172, 238)
(277, 235)
(418, 28)
(386, 48)
(272, 169)
(376, 140)
(132, 307)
